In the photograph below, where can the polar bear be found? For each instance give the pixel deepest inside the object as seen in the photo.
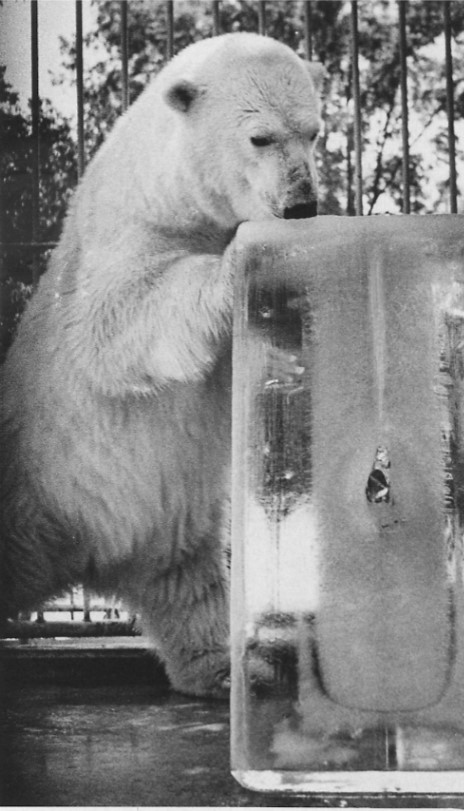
(117, 390)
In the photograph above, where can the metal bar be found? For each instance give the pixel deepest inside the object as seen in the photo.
(124, 56)
(450, 109)
(35, 111)
(80, 90)
(87, 605)
(402, 7)
(350, 201)
(216, 19)
(357, 108)
(79, 605)
(262, 17)
(308, 30)
(350, 204)
(169, 29)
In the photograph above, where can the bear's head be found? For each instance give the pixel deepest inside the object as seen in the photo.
(247, 117)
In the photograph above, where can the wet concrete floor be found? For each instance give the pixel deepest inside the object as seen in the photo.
(114, 746)
(126, 746)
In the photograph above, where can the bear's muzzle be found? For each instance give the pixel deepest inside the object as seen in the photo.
(301, 211)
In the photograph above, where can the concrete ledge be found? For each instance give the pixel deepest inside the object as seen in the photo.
(82, 661)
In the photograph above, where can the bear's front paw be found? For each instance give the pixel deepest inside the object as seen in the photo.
(222, 682)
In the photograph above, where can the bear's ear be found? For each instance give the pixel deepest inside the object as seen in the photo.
(181, 94)
(317, 72)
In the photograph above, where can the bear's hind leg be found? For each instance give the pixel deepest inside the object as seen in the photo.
(185, 613)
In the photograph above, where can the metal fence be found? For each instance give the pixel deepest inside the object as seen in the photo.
(78, 604)
(262, 28)
(75, 614)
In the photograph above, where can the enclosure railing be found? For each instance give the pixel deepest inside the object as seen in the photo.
(308, 39)
(84, 603)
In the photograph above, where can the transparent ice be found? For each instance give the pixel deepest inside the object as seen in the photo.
(348, 492)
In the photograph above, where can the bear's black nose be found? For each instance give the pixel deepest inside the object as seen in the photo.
(302, 211)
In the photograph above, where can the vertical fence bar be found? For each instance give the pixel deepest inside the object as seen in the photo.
(35, 112)
(308, 30)
(80, 90)
(216, 20)
(124, 56)
(450, 109)
(262, 17)
(170, 28)
(350, 197)
(402, 7)
(86, 604)
(357, 108)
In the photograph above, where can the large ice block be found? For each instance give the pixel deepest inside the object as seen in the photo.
(348, 482)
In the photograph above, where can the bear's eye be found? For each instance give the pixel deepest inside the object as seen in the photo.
(261, 140)
(313, 137)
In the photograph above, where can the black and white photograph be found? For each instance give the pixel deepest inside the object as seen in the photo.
(232, 403)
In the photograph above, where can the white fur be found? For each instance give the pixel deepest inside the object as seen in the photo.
(116, 403)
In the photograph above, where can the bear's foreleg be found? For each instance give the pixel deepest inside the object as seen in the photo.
(165, 326)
